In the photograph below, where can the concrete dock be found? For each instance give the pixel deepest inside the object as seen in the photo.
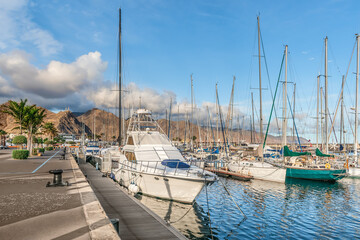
(30, 210)
(135, 220)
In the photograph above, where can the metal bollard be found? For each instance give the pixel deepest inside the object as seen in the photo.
(57, 180)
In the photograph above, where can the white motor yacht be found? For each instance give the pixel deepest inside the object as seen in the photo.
(150, 164)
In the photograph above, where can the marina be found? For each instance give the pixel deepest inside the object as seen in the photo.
(157, 120)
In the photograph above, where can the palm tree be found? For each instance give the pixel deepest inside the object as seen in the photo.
(3, 139)
(32, 122)
(50, 129)
(97, 137)
(18, 111)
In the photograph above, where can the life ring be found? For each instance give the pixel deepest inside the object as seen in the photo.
(327, 166)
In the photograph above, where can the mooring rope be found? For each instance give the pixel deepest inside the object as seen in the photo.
(233, 199)
(208, 209)
(192, 205)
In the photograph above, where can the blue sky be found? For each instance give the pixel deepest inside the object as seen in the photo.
(166, 41)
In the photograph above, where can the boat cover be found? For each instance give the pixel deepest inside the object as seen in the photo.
(320, 154)
(289, 153)
(174, 163)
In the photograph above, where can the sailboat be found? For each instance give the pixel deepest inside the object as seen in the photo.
(302, 165)
(323, 167)
(149, 163)
(259, 169)
(354, 167)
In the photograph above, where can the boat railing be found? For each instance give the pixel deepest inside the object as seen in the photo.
(176, 168)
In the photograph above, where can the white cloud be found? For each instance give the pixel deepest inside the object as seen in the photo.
(17, 29)
(57, 79)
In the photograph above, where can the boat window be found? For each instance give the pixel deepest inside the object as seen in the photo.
(130, 156)
(130, 141)
(174, 163)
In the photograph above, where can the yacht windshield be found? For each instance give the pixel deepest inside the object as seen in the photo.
(174, 163)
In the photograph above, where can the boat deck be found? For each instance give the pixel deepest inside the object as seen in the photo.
(135, 220)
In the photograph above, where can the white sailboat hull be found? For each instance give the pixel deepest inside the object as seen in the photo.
(179, 189)
(354, 171)
(273, 174)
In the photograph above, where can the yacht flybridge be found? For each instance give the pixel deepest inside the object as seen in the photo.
(150, 164)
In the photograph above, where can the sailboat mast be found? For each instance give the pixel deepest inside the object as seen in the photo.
(326, 98)
(177, 124)
(284, 101)
(260, 90)
(120, 130)
(253, 120)
(293, 132)
(356, 100)
(342, 112)
(192, 113)
(217, 121)
(317, 111)
(169, 123)
(322, 119)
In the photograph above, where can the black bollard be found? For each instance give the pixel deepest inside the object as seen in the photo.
(57, 180)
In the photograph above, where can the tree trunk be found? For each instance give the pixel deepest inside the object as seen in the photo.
(30, 141)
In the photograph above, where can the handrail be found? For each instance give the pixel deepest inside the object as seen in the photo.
(190, 171)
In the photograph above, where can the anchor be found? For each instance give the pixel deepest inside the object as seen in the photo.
(57, 180)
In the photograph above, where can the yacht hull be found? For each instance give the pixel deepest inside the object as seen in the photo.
(273, 174)
(316, 174)
(178, 189)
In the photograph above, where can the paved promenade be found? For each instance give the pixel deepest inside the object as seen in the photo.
(30, 210)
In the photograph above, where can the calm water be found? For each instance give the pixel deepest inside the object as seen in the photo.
(298, 209)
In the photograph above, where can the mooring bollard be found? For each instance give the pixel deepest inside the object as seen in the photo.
(57, 180)
(115, 223)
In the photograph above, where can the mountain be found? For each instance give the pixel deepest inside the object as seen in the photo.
(106, 125)
(65, 122)
(76, 114)
(177, 130)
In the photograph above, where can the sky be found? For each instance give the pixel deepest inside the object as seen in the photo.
(64, 54)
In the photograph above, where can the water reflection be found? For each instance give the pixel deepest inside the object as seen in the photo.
(297, 209)
(191, 220)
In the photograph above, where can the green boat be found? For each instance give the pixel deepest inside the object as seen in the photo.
(303, 166)
(330, 175)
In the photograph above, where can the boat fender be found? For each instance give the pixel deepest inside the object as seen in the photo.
(327, 166)
(133, 188)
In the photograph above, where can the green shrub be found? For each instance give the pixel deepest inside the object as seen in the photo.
(19, 140)
(49, 148)
(20, 154)
(36, 150)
